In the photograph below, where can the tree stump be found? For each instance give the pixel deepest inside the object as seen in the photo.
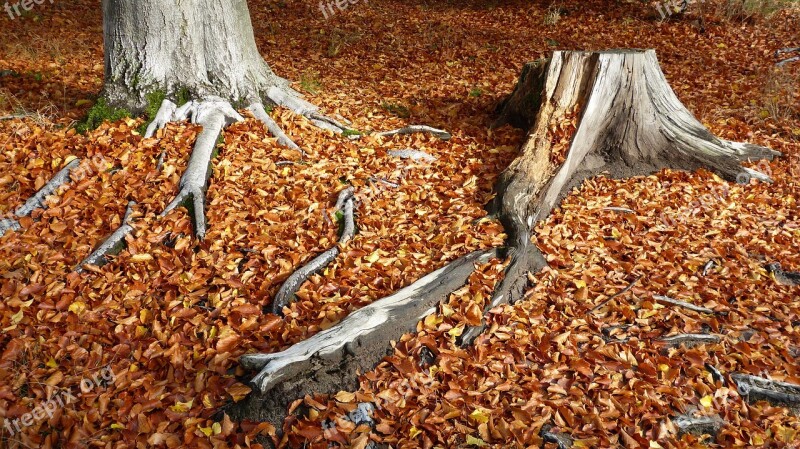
(587, 113)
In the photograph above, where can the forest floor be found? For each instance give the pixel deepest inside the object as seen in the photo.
(171, 319)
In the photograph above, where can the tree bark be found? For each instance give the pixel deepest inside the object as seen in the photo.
(203, 48)
(588, 113)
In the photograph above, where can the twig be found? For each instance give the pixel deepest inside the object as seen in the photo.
(684, 304)
(413, 129)
(620, 293)
(622, 210)
(16, 116)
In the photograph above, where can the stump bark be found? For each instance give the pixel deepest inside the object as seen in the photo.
(588, 113)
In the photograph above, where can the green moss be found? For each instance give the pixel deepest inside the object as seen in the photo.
(154, 100)
(182, 96)
(99, 113)
(397, 109)
(351, 132)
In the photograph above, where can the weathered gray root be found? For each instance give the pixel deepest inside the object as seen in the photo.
(523, 259)
(615, 295)
(414, 155)
(258, 111)
(790, 278)
(112, 245)
(165, 114)
(698, 425)
(37, 201)
(690, 340)
(213, 116)
(331, 360)
(683, 304)
(755, 389)
(15, 116)
(786, 51)
(285, 295)
(293, 100)
(628, 122)
(560, 439)
(413, 129)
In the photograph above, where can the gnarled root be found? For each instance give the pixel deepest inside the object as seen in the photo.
(441, 134)
(37, 201)
(293, 100)
(285, 296)
(755, 389)
(213, 116)
(330, 360)
(112, 245)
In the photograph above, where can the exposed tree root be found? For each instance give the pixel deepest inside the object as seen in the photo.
(414, 155)
(285, 296)
(698, 425)
(37, 201)
(258, 111)
(786, 51)
(620, 293)
(15, 116)
(783, 277)
(621, 210)
(756, 389)
(112, 245)
(294, 101)
(213, 116)
(690, 340)
(562, 440)
(441, 134)
(330, 360)
(682, 304)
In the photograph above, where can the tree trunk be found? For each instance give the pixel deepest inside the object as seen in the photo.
(607, 112)
(201, 48)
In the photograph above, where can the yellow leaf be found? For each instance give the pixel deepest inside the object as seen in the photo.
(707, 401)
(472, 441)
(580, 283)
(372, 258)
(77, 307)
(206, 430)
(17, 317)
(479, 415)
(447, 310)
(51, 363)
(182, 407)
(414, 432)
(117, 426)
(136, 258)
(663, 367)
(217, 428)
(456, 331)
(431, 321)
